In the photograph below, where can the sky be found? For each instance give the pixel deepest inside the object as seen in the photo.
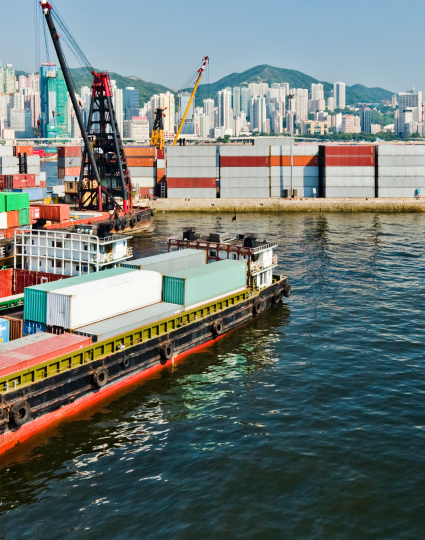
(371, 42)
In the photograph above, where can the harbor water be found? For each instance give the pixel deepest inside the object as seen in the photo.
(307, 423)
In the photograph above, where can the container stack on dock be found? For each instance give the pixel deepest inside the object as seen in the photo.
(192, 172)
(69, 163)
(305, 171)
(141, 161)
(244, 172)
(14, 211)
(401, 170)
(348, 171)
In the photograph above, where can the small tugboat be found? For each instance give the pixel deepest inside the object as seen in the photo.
(92, 334)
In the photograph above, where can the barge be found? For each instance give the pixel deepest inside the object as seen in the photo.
(47, 376)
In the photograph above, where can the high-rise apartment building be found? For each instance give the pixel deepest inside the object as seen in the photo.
(21, 122)
(225, 109)
(290, 117)
(365, 120)
(33, 103)
(131, 102)
(54, 102)
(246, 95)
(2, 78)
(339, 95)
(236, 101)
(350, 124)
(184, 98)
(315, 88)
(258, 122)
(209, 111)
(301, 104)
(331, 104)
(9, 79)
(167, 102)
(406, 101)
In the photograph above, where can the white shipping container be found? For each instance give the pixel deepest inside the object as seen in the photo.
(399, 192)
(297, 150)
(6, 151)
(401, 150)
(192, 172)
(142, 172)
(302, 191)
(296, 171)
(204, 161)
(144, 182)
(244, 150)
(244, 193)
(94, 301)
(34, 169)
(350, 192)
(191, 151)
(9, 170)
(244, 183)
(9, 161)
(360, 181)
(401, 171)
(192, 193)
(160, 163)
(401, 161)
(35, 160)
(401, 181)
(285, 181)
(348, 171)
(3, 220)
(244, 172)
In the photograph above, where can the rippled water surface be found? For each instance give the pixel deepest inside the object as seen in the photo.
(307, 423)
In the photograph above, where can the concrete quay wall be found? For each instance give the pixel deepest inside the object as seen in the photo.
(287, 205)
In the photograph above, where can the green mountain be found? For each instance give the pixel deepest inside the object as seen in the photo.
(264, 73)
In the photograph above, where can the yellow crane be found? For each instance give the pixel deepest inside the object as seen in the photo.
(200, 71)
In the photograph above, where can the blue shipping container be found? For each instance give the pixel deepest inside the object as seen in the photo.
(30, 328)
(4, 331)
(35, 193)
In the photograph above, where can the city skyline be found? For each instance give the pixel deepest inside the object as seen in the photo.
(348, 59)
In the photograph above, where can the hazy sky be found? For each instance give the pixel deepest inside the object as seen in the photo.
(372, 42)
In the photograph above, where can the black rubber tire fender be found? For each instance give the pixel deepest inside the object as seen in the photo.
(118, 224)
(20, 412)
(124, 222)
(126, 363)
(258, 306)
(277, 297)
(8, 248)
(139, 216)
(218, 327)
(100, 377)
(286, 291)
(167, 350)
(133, 221)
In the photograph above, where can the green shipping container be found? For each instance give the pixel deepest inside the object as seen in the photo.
(35, 298)
(2, 202)
(12, 201)
(24, 216)
(202, 283)
(23, 200)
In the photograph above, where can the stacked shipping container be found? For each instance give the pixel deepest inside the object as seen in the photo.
(191, 172)
(348, 171)
(244, 172)
(305, 170)
(69, 163)
(401, 170)
(142, 167)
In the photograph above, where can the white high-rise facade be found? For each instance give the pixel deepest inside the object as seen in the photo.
(118, 103)
(236, 101)
(339, 95)
(258, 123)
(225, 109)
(10, 79)
(409, 102)
(301, 104)
(2, 78)
(167, 101)
(209, 111)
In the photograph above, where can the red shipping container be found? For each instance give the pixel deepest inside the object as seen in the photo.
(13, 218)
(28, 278)
(245, 161)
(28, 150)
(8, 233)
(352, 150)
(34, 212)
(42, 183)
(160, 154)
(6, 283)
(14, 181)
(141, 162)
(28, 355)
(69, 151)
(160, 175)
(139, 151)
(53, 212)
(147, 192)
(349, 161)
(37, 152)
(2, 182)
(191, 182)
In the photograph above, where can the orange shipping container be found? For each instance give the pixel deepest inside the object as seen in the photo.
(28, 150)
(298, 161)
(141, 162)
(160, 175)
(139, 151)
(13, 219)
(68, 171)
(54, 212)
